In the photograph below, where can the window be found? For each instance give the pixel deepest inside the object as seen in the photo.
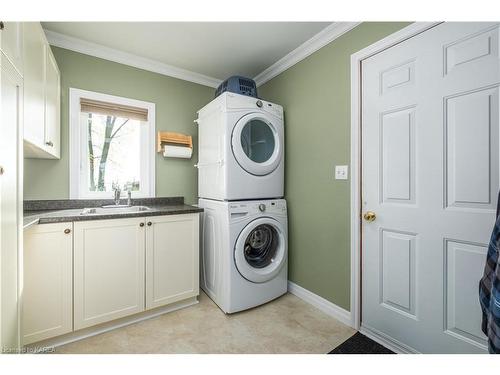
(111, 145)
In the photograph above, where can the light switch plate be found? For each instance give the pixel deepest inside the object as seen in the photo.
(341, 172)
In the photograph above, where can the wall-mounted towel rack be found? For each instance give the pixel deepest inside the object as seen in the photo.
(173, 138)
(175, 145)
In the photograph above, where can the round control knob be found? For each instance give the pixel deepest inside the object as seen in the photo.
(262, 207)
(259, 103)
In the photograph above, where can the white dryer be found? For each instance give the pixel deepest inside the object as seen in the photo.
(241, 149)
(244, 252)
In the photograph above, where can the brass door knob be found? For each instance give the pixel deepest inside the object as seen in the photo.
(369, 216)
(67, 231)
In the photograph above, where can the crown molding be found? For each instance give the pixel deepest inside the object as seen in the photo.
(321, 39)
(111, 54)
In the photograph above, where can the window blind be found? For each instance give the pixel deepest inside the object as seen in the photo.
(112, 109)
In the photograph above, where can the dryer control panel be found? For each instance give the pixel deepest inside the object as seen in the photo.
(271, 108)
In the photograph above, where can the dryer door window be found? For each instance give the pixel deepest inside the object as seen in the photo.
(257, 141)
(260, 251)
(257, 144)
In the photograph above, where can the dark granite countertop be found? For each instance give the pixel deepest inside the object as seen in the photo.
(61, 211)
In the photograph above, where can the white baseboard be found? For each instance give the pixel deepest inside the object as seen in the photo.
(322, 304)
(384, 340)
(109, 326)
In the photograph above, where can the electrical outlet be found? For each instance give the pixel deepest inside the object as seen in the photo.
(341, 172)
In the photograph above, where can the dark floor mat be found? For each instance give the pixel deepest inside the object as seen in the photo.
(360, 344)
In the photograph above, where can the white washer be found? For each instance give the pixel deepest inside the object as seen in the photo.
(244, 260)
(241, 149)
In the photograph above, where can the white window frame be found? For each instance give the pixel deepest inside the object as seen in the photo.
(78, 160)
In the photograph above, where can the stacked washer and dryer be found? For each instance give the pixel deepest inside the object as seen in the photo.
(240, 186)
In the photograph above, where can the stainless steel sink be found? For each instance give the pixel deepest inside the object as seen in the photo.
(113, 210)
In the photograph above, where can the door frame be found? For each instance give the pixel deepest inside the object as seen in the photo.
(356, 156)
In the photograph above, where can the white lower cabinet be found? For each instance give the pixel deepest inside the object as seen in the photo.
(108, 270)
(47, 304)
(81, 274)
(171, 259)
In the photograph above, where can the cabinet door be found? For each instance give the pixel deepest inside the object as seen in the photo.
(11, 93)
(172, 253)
(48, 282)
(52, 105)
(12, 43)
(108, 269)
(34, 84)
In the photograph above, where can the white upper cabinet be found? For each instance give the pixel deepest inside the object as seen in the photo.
(41, 96)
(34, 91)
(12, 43)
(52, 106)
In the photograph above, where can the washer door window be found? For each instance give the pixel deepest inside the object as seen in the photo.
(257, 145)
(260, 250)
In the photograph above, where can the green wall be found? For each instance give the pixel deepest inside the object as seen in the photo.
(176, 104)
(315, 94)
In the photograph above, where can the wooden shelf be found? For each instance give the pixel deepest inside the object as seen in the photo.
(177, 139)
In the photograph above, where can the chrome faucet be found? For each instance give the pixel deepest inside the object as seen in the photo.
(118, 193)
(129, 197)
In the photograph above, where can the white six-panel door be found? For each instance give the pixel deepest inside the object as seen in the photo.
(430, 136)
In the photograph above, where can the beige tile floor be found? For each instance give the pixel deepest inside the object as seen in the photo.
(285, 325)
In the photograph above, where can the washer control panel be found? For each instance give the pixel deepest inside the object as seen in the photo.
(277, 206)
